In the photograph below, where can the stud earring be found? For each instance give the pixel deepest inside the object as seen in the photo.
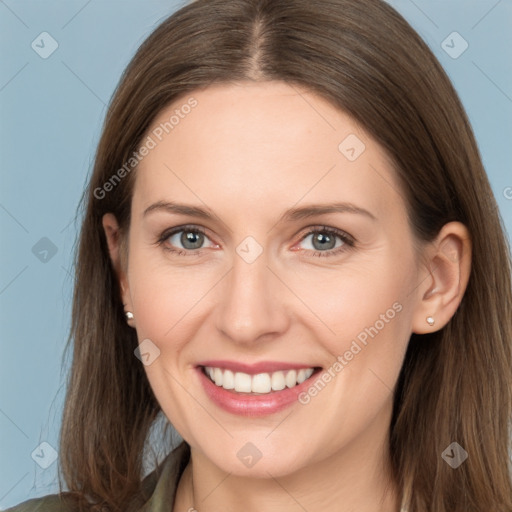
(430, 320)
(129, 315)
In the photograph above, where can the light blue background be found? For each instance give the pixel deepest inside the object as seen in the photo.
(51, 113)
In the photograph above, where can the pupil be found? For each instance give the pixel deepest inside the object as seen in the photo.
(326, 241)
(190, 237)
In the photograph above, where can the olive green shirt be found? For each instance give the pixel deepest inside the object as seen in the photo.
(156, 495)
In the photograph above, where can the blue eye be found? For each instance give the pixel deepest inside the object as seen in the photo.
(325, 241)
(189, 240)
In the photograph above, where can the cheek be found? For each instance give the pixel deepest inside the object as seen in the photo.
(356, 303)
(370, 318)
(166, 302)
(167, 298)
(366, 324)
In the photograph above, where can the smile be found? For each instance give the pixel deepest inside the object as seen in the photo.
(262, 389)
(262, 383)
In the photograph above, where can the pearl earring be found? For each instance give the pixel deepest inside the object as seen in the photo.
(129, 315)
(430, 320)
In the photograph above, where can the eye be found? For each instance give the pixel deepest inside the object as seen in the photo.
(325, 241)
(189, 240)
(185, 240)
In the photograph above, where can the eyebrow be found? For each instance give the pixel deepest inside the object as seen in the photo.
(293, 214)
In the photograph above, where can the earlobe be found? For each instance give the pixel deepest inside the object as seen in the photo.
(448, 269)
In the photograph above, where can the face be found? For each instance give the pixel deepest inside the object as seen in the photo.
(269, 236)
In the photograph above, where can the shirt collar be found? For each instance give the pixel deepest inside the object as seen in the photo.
(162, 483)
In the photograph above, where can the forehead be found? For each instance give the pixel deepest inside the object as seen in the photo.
(261, 145)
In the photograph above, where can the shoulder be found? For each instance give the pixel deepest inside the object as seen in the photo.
(156, 493)
(53, 503)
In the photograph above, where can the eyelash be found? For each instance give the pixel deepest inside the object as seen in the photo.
(348, 241)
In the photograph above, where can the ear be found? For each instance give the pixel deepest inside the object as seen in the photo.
(446, 273)
(113, 236)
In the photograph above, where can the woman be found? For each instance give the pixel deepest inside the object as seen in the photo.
(290, 249)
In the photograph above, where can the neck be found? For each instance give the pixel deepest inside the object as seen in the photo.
(354, 478)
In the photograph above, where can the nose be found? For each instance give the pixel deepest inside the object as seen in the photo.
(252, 304)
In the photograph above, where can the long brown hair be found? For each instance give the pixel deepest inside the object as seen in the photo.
(363, 57)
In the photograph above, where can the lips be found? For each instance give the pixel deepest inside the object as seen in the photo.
(254, 390)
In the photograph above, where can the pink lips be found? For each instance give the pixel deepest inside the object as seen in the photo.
(245, 404)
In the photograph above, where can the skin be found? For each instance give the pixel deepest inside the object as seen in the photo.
(249, 152)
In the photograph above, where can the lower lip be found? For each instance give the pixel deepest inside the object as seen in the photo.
(245, 404)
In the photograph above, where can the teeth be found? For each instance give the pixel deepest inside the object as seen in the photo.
(228, 380)
(301, 376)
(291, 378)
(259, 383)
(242, 382)
(278, 381)
(217, 376)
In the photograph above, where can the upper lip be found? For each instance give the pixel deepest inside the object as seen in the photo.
(255, 368)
